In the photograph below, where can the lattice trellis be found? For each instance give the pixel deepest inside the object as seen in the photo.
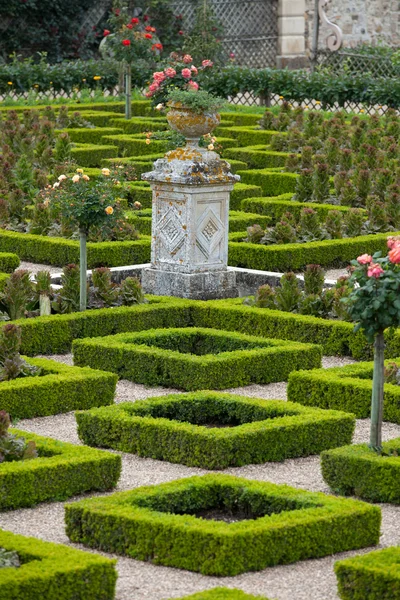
(354, 63)
(250, 28)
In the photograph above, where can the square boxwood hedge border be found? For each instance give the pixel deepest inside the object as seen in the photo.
(147, 357)
(59, 389)
(375, 575)
(356, 470)
(62, 470)
(55, 571)
(174, 428)
(347, 388)
(221, 594)
(160, 525)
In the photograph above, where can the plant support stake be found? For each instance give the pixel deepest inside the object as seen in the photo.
(377, 393)
(82, 269)
(128, 91)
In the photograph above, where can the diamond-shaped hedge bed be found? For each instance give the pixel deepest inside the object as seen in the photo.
(214, 430)
(194, 358)
(222, 525)
(52, 571)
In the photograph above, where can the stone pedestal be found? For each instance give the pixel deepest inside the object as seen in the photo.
(189, 248)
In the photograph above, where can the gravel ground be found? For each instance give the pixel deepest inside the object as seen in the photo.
(35, 267)
(335, 273)
(142, 581)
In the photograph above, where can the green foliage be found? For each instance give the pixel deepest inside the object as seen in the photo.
(214, 430)
(223, 594)
(60, 388)
(12, 365)
(17, 293)
(204, 39)
(61, 471)
(8, 559)
(195, 358)
(67, 298)
(198, 101)
(374, 576)
(163, 522)
(13, 448)
(130, 40)
(47, 567)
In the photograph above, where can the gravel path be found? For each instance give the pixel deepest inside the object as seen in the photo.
(142, 581)
(35, 267)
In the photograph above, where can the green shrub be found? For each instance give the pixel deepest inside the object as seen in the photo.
(257, 157)
(271, 183)
(59, 388)
(195, 358)
(347, 388)
(84, 135)
(139, 125)
(184, 428)
(55, 571)
(247, 136)
(282, 524)
(358, 471)
(277, 206)
(375, 576)
(135, 146)
(61, 471)
(223, 594)
(91, 155)
(59, 251)
(99, 118)
(8, 262)
(241, 191)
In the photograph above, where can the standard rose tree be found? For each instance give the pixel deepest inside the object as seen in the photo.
(374, 305)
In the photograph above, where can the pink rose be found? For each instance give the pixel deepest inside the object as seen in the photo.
(159, 76)
(392, 242)
(207, 63)
(187, 59)
(170, 72)
(154, 87)
(192, 85)
(375, 270)
(194, 70)
(394, 255)
(364, 259)
(186, 73)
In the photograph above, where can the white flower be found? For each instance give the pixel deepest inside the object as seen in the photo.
(56, 184)
(159, 106)
(75, 179)
(62, 177)
(210, 146)
(105, 172)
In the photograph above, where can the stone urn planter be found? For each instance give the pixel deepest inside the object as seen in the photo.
(192, 125)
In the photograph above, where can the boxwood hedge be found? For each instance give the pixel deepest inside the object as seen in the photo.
(279, 525)
(358, 471)
(60, 471)
(8, 262)
(375, 576)
(50, 571)
(60, 388)
(346, 388)
(195, 358)
(223, 594)
(215, 430)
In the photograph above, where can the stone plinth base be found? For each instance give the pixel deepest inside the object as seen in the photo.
(209, 285)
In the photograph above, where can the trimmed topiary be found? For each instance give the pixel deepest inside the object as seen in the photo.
(195, 358)
(223, 594)
(215, 430)
(59, 388)
(222, 525)
(54, 571)
(358, 471)
(8, 262)
(61, 471)
(346, 388)
(375, 576)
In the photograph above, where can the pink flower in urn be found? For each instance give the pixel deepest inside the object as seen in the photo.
(154, 87)
(194, 70)
(187, 59)
(170, 72)
(364, 259)
(159, 76)
(375, 270)
(186, 73)
(394, 255)
(192, 85)
(207, 63)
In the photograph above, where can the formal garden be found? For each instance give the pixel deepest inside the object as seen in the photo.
(200, 316)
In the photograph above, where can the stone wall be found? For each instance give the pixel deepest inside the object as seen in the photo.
(368, 21)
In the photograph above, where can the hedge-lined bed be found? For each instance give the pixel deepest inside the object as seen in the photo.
(50, 571)
(258, 157)
(346, 388)
(281, 524)
(61, 470)
(375, 576)
(59, 251)
(277, 206)
(58, 389)
(215, 430)
(195, 358)
(359, 471)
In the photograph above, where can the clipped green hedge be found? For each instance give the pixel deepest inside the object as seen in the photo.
(195, 358)
(241, 191)
(294, 257)
(60, 388)
(271, 183)
(241, 119)
(61, 470)
(54, 334)
(83, 135)
(50, 571)
(184, 428)
(347, 388)
(160, 524)
(375, 576)
(258, 157)
(59, 251)
(8, 262)
(98, 118)
(222, 594)
(276, 207)
(139, 124)
(91, 155)
(247, 136)
(135, 146)
(359, 471)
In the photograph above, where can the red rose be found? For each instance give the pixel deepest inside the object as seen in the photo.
(181, 32)
(157, 47)
(149, 28)
(117, 12)
(126, 42)
(135, 21)
(148, 36)
(130, 26)
(106, 32)
(145, 18)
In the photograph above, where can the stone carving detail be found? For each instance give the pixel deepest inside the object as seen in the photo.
(335, 38)
(210, 231)
(171, 230)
